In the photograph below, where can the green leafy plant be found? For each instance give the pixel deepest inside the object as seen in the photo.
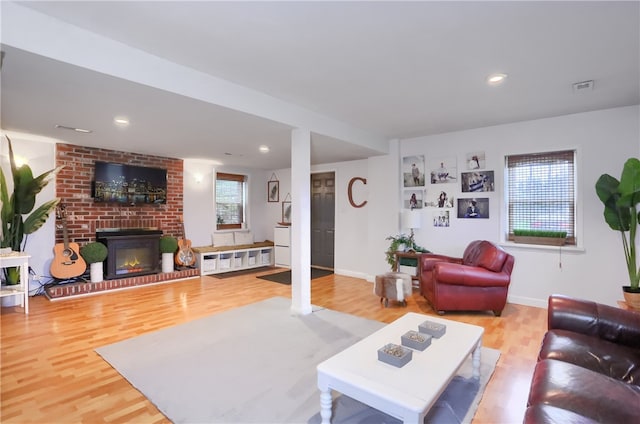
(94, 252)
(15, 227)
(621, 199)
(540, 233)
(396, 242)
(168, 244)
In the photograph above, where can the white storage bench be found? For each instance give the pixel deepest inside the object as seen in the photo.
(217, 259)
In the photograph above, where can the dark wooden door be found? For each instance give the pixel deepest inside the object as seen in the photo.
(323, 200)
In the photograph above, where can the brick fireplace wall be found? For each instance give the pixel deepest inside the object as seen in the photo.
(84, 216)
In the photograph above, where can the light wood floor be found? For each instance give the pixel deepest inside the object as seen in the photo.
(50, 372)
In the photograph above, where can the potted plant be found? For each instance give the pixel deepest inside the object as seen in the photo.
(621, 199)
(550, 238)
(168, 246)
(402, 243)
(94, 254)
(22, 202)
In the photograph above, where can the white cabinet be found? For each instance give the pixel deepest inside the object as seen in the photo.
(282, 242)
(22, 290)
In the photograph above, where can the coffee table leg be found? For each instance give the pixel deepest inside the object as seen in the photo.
(325, 405)
(476, 361)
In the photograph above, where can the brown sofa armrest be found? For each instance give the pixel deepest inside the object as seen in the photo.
(465, 275)
(606, 322)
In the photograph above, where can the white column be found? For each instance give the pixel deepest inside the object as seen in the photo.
(300, 221)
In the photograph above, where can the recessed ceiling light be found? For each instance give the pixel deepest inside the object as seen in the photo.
(495, 79)
(264, 149)
(121, 121)
(80, 130)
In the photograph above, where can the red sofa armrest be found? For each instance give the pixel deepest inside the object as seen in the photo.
(428, 260)
(464, 275)
(594, 319)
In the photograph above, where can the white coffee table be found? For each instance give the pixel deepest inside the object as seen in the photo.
(406, 393)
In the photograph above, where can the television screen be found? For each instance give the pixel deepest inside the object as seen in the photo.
(120, 183)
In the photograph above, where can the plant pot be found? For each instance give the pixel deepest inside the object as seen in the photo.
(547, 241)
(96, 271)
(12, 275)
(632, 298)
(167, 262)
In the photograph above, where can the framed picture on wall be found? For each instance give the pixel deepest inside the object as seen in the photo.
(439, 199)
(475, 160)
(441, 218)
(413, 171)
(273, 191)
(477, 181)
(473, 208)
(443, 170)
(412, 199)
(286, 213)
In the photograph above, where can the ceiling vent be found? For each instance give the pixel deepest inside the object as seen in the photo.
(583, 87)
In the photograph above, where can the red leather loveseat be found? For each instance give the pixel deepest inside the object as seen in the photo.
(478, 281)
(588, 368)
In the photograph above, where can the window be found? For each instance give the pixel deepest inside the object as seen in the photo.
(230, 200)
(541, 192)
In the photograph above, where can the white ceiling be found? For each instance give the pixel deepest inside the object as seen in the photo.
(391, 69)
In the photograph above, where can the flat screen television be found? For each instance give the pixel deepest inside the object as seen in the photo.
(121, 183)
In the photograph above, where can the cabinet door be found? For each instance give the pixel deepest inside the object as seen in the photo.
(283, 257)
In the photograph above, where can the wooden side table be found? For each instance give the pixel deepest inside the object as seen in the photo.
(411, 255)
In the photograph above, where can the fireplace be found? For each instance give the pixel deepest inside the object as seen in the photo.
(131, 251)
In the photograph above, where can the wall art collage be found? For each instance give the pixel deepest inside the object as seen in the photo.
(434, 185)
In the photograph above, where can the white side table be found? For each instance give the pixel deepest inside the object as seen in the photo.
(20, 259)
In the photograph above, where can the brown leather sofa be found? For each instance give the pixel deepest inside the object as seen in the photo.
(588, 368)
(478, 281)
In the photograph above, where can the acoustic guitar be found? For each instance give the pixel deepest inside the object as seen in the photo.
(184, 255)
(67, 262)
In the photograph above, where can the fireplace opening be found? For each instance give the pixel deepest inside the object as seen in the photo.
(131, 252)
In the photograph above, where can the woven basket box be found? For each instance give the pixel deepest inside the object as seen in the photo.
(395, 355)
(434, 329)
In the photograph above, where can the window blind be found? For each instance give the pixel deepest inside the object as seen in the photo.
(229, 200)
(541, 192)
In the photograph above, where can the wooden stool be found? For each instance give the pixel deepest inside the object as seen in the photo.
(393, 285)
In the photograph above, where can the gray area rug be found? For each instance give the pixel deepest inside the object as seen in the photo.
(257, 364)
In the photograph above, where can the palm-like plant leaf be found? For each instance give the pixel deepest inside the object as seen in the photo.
(22, 201)
(39, 216)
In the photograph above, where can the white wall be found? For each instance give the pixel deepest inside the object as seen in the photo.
(604, 140)
(199, 213)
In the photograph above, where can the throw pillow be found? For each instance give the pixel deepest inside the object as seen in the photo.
(222, 239)
(243, 237)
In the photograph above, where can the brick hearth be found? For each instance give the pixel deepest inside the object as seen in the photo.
(83, 289)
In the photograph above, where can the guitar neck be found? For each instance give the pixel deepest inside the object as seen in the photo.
(65, 233)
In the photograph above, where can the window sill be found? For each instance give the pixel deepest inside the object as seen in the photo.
(568, 249)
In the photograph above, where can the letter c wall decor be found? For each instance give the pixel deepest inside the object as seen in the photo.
(350, 191)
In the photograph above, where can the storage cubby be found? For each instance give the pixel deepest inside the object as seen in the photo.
(233, 259)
